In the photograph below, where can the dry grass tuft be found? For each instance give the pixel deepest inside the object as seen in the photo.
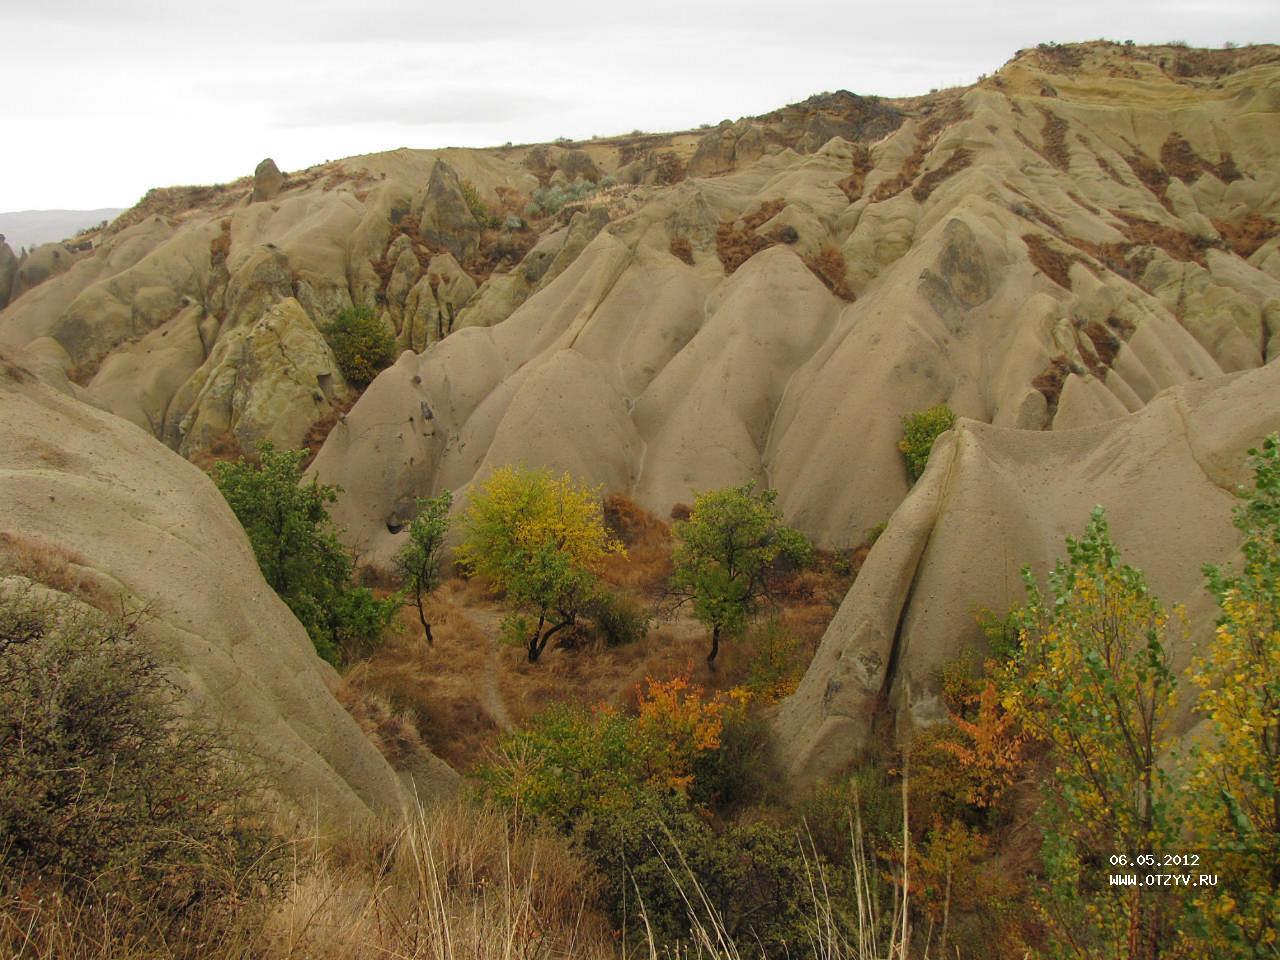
(1106, 344)
(1050, 380)
(942, 116)
(1049, 260)
(829, 266)
(394, 734)
(1054, 137)
(318, 432)
(737, 240)
(1152, 176)
(852, 185)
(925, 186)
(225, 446)
(1105, 166)
(646, 568)
(1244, 238)
(1176, 243)
(220, 245)
(51, 565)
(681, 248)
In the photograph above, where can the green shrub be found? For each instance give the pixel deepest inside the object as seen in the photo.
(635, 793)
(479, 209)
(619, 618)
(297, 548)
(361, 344)
(750, 881)
(105, 787)
(739, 772)
(550, 200)
(919, 430)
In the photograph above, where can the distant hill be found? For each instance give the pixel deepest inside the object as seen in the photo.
(27, 228)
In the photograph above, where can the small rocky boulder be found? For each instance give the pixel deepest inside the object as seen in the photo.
(267, 181)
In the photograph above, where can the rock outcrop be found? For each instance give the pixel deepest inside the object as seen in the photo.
(8, 270)
(446, 219)
(97, 508)
(267, 181)
(44, 262)
(266, 382)
(994, 499)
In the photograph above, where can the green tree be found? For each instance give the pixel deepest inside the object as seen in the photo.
(725, 552)
(919, 430)
(418, 561)
(297, 548)
(361, 343)
(1091, 678)
(541, 539)
(1236, 781)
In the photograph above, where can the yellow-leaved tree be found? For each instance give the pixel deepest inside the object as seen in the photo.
(1091, 678)
(541, 539)
(1236, 780)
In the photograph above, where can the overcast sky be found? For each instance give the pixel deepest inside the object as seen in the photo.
(106, 98)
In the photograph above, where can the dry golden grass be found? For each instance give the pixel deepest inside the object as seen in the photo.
(434, 688)
(395, 734)
(455, 881)
(52, 566)
(451, 882)
(646, 567)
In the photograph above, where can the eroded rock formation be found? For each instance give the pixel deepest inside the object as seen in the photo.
(96, 508)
